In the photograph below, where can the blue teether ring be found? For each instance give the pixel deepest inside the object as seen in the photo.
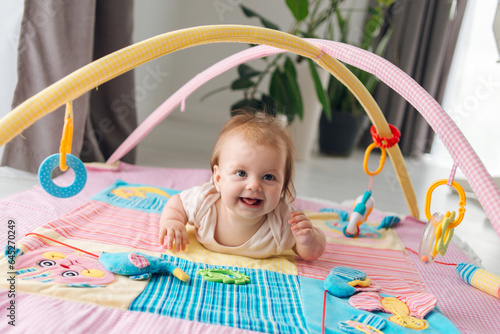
(45, 176)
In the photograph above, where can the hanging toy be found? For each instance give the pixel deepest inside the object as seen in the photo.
(63, 159)
(364, 204)
(440, 227)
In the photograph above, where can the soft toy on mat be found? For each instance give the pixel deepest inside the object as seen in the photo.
(135, 265)
(139, 266)
(479, 278)
(344, 281)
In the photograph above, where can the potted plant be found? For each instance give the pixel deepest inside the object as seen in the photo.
(283, 95)
(313, 19)
(340, 133)
(294, 84)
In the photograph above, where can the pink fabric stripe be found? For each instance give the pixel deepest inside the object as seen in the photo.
(38, 314)
(368, 301)
(470, 309)
(104, 223)
(390, 270)
(419, 303)
(458, 146)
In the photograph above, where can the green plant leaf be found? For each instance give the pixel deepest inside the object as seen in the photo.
(292, 92)
(384, 42)
(277, 92)
(276, 87)
(306, 34)
(290, 67)
(386, 3)
(343, 26)
(265, 22)
(299, 8)
(320, 92)
(269, 105)
(246, 71)
(241, 83)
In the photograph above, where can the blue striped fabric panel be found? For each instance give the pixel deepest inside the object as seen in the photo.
(270, 303)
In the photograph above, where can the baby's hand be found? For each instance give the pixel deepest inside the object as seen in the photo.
(310, 242)
(302, 227)
(172, 233)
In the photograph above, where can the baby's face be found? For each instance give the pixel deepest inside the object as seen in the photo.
(249, 178)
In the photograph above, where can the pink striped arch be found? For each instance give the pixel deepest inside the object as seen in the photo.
(459, 148)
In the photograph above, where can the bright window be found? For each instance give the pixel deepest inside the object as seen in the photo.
(472, 95)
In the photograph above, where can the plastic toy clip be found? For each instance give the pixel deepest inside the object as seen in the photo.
(67, 137)
(383, 156)
(439, 231)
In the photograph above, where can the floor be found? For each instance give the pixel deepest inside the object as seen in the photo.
(333, 179)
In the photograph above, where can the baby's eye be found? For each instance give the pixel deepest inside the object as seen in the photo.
(241, 173)
(269, 177)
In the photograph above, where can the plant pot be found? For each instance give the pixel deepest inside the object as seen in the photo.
(304, 131)
(342, 134)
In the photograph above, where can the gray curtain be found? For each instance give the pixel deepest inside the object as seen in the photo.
(422, 45)
(58, 37)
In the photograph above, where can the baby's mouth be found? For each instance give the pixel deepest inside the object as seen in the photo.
(253, 202)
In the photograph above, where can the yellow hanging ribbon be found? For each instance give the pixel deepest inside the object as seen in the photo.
(67, 136)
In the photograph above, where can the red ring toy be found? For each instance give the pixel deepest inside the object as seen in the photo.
(384, 141)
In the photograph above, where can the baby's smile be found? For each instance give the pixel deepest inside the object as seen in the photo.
(251, 202)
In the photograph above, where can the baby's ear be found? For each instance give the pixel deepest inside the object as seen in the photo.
(216, 177)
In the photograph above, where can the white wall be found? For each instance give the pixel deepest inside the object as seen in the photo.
(154, 17)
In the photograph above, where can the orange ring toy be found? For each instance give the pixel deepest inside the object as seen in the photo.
(367, 157)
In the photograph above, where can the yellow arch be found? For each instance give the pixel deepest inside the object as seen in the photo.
(121, 61)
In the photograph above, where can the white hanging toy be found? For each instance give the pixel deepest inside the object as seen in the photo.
(363, 205)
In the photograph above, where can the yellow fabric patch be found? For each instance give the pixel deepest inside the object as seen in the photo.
(487, 282)
(195, 252)
(330, 223)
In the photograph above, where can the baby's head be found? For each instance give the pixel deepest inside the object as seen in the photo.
(260, 129)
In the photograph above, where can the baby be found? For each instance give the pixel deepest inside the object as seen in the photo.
(246, 208)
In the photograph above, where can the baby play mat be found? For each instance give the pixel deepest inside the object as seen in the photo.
(372, 283)
(118, 211)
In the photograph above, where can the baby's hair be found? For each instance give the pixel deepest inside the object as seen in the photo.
(261, 129)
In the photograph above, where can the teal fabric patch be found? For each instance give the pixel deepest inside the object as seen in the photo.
(270, 303)
(140, 197)
(338, 310)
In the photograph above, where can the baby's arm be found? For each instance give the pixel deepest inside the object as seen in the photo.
(173, 225)
(310, 241)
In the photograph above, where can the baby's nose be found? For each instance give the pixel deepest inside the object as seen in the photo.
(254, 184)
